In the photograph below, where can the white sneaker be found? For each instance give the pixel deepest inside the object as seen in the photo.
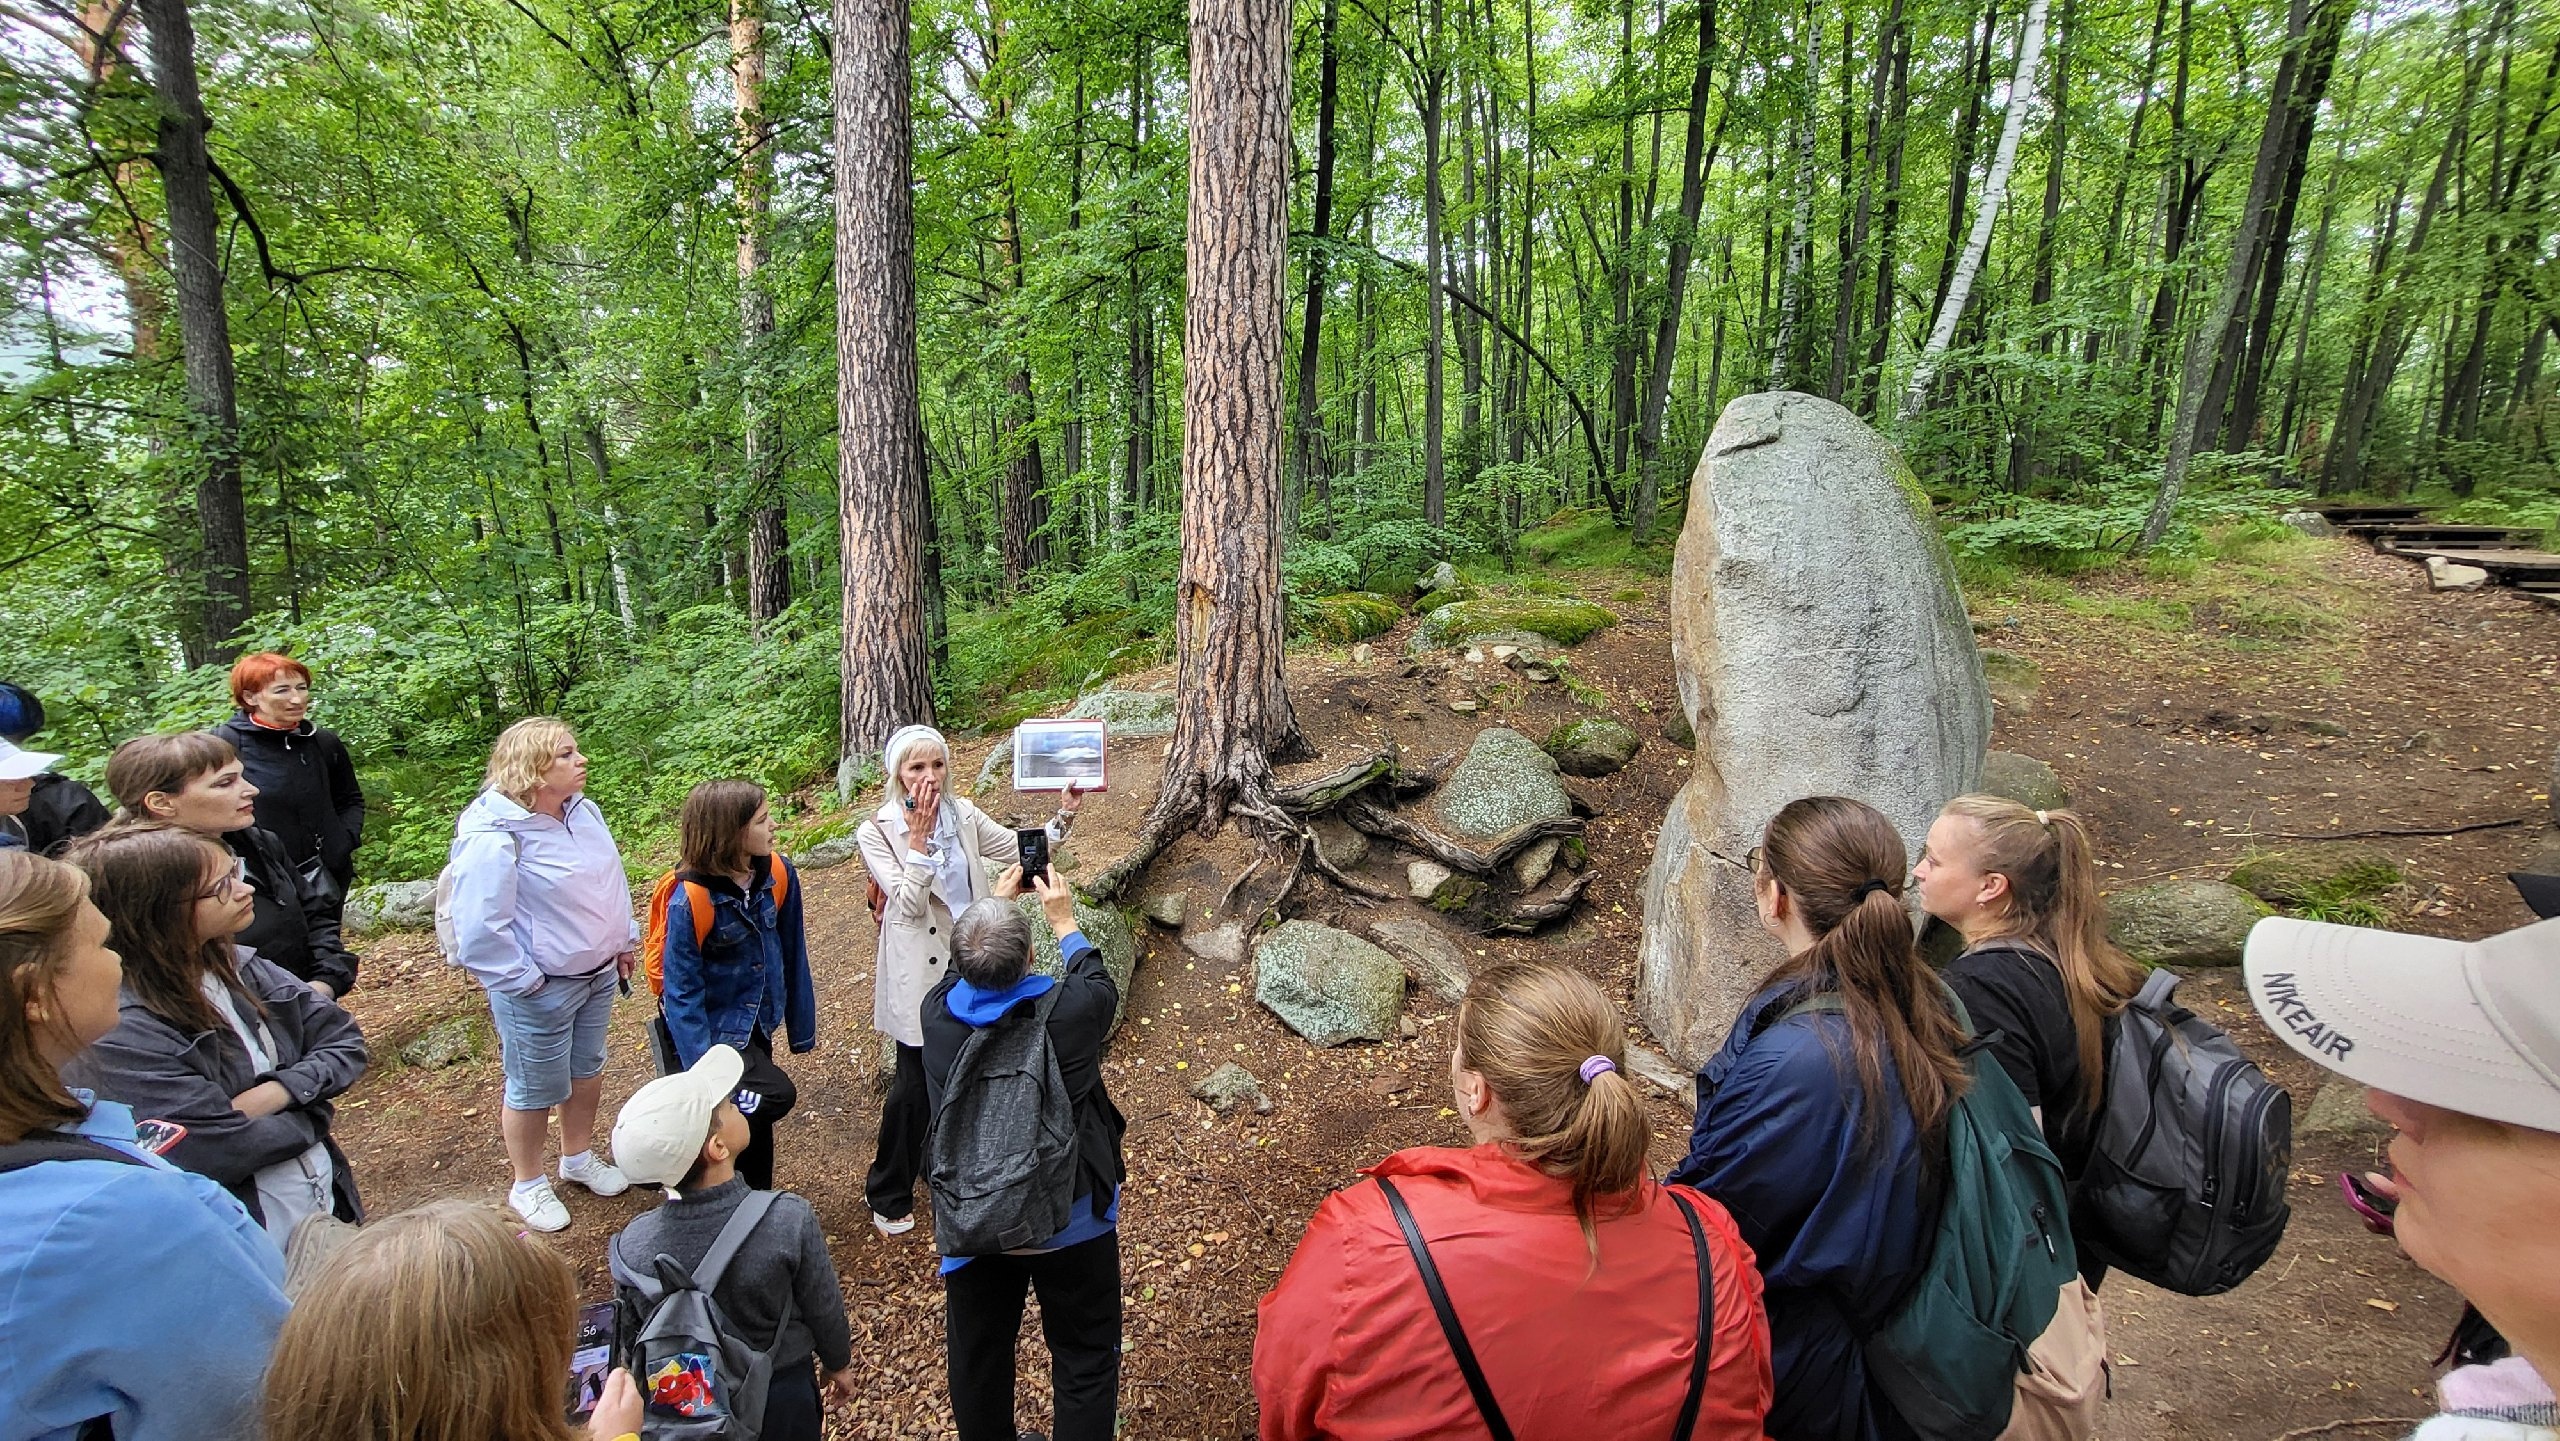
(601, 1177)
(539, 1205)
(887, 1227)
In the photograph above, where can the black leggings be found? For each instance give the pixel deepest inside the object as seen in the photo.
(775, 1095)
(1079, 1290)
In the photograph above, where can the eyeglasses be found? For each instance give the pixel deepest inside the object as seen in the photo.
(1749, 864)
(239, 878)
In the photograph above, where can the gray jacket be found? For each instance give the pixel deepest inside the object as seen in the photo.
(786, 1256)
(168, 1074)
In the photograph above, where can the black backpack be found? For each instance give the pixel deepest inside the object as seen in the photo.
(2185, 1183)
(1000, 1158)
(698, 1379)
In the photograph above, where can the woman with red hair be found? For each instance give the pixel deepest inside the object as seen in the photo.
(307, 791)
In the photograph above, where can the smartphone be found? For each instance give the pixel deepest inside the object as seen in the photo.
(2371, 1206)
(591, 1360)
(158, 1137)
(1035, 852)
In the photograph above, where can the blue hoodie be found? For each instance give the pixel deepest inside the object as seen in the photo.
(141, 1293)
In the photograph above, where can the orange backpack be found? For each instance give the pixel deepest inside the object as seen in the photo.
(697, 898)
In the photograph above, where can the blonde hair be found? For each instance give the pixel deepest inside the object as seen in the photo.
(523, 754)
(2054, 906)
(443, 1323)
(39, 901)
(1527, 1029)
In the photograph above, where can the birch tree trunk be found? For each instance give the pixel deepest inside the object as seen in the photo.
(1995, 190)
(883, 506)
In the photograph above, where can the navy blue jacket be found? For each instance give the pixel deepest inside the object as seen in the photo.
(1840, 1230)
(750, 974)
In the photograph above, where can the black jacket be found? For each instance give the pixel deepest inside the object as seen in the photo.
(169, 1074)
(1078, 1026)
(61, 809)
(296, 923)
(307, 792)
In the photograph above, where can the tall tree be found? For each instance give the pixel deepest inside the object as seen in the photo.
(221, 561)
(1694, 164)
(882, 501)
(1311, 327)
(760, 420)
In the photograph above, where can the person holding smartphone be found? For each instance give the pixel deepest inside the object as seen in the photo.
(927, 851)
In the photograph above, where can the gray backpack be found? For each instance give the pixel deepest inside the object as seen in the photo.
(699, 1380)
(2185, 1185)
(1000, 1159)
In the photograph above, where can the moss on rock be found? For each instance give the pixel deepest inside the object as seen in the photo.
(1564, 620)
(2309, 875)
(1346, 617)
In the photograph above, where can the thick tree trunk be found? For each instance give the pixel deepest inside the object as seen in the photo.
(884, 508)
(204, 328)
(1233, 717)
(768, 536)
(1995, 189)
(2318, 64)
(1310, 433)
(1696, 158)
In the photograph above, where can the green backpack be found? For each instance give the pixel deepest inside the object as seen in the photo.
(1950, 1356)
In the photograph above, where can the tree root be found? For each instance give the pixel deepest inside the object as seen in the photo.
(1413, 835)
(1322, 793)
(1528, 916)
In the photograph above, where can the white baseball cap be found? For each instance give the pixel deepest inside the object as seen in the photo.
(18, 763)
(660, 1132)
(2470, 1026)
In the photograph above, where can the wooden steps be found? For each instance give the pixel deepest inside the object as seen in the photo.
(2509, 554)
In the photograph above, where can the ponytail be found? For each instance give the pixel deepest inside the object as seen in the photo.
(2054, 906)
(1842, 864)
(1553, 1051)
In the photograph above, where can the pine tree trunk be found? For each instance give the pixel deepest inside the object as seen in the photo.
(1782, 361)
(1696, 158)
(768, 536)
(884, 508)
(1310, 433)
(1995, 189)
(1888, 231)
(221, 565)
(1844, 315)
(1435, 381)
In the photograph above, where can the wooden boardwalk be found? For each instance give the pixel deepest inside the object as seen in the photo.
(2507, 553)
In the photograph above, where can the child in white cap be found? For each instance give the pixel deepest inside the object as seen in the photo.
(684, 1132)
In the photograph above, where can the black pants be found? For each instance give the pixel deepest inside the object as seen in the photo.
(1079, 1290)
(791, 1410)
(899, 1158)
(775, 1096)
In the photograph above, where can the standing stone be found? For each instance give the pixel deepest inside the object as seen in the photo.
(1821, 648)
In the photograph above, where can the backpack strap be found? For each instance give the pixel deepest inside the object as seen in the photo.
(1477, 1386)
(697, 903)
(782, 880)
(2156, 990)
(724, 1248)
(46, 1146)
(1688, 1421)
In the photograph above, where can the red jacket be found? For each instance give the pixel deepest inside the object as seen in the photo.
(1349, 1348)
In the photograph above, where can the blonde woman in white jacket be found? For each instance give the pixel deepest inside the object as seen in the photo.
(927, 851)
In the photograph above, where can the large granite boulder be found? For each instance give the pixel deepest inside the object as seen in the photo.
(1329, 986)
(1111, 934)
(1821, 648)
(1127, 712)
(1504, 783)
(1494, 619)
(2183, 923)
(391, 906)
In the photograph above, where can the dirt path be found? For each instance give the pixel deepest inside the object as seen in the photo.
(2148, 708)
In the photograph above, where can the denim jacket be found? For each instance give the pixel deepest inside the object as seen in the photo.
(751, 973)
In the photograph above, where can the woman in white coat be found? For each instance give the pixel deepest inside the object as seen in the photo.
(927, 851)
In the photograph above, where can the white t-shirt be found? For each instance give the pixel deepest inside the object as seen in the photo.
(289, 1191)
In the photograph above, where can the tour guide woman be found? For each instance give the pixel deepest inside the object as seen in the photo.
(927, 852)
(542, 918)
(307, 791)
(129, 1290)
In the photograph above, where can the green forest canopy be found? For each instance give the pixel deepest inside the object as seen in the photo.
(522, 425)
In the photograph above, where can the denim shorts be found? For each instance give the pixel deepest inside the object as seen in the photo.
(554, 1036)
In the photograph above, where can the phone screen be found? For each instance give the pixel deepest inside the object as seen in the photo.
(158, 1137)
(592, 1360)
(1035, 852)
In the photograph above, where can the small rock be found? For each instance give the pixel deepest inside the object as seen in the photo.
(1677, 730)
(1407, 1027)
(2183, 923)
(1659, 1071)
(1504, 653)
(1536, 863)
(2422, 742)
(1423, 879)
(1475, 656)
(1328, 985)
(2318, 727)
(831, 853)
(2443, 574)
(1360, 653)
(1342, 844)
(1465, 707)
(1542, 674)
(1231, 1086)
(1392, 1083)
(2024, 779)
(1166, 908)
(1436, 963)
(390, 906)
(1592, 746)
(1577, 935)
(2309, 522)
(448, 1042)
(2335, 871)
(2339, 1110)
(1442, 576)
(1219, 945)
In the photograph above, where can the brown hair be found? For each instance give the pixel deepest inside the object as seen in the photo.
(146, 877)
(2054, 906)
(443, 1323)
(251, 674)
(1843, 864)
(39, 900)
(714, 826)
(163, 763)
(1527, 1029)
(523, 756)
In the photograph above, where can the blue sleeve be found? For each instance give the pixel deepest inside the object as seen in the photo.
(800, 990)
(688, 1019)
(1770, 1143)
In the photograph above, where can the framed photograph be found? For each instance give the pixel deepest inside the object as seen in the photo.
(1050, 755)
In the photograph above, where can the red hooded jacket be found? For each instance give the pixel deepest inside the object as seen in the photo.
(1349, 1349)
